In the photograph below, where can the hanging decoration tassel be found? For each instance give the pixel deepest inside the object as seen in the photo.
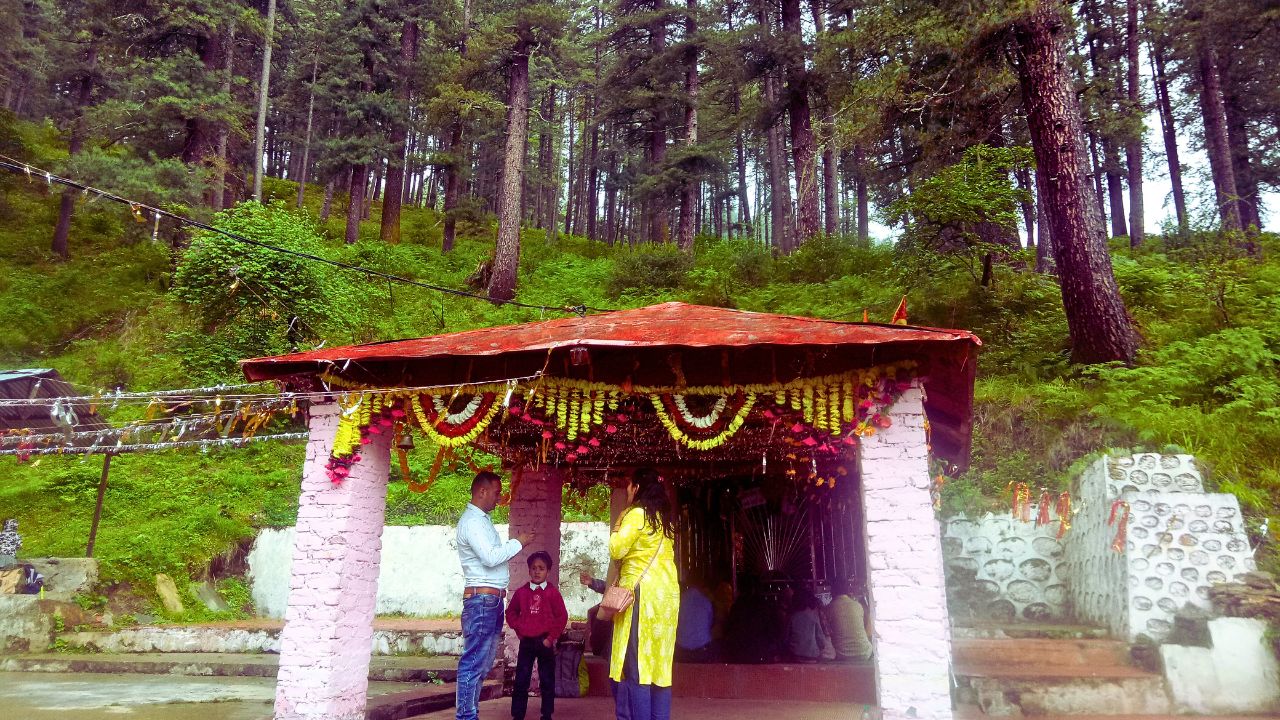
(1064, 513)
(1046, 500)
(1120, 507)
(431, 477)
(1021, 509)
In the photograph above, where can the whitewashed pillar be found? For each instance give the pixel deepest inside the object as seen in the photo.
(328, 631)
(904, 559)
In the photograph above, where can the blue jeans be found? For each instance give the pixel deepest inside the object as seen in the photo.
(481, 633)
(631, 700)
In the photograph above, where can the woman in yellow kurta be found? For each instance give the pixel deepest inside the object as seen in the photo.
(643, 651)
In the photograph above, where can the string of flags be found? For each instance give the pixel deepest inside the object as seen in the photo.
(142, 211)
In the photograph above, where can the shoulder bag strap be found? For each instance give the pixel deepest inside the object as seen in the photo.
(662, 537)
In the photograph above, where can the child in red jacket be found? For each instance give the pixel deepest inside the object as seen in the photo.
(537, 614)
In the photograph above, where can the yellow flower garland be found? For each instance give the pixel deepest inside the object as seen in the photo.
(428, 429)
(710, 443)
(828, 403)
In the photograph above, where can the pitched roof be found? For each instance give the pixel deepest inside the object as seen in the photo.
(636, 341)
(40, 383)
(672, 324)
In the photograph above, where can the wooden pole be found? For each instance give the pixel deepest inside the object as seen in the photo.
(97, 510)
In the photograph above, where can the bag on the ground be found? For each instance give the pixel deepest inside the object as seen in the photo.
(12, 579)
(568, 658)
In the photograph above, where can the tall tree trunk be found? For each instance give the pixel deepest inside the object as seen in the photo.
(83, 94)
(1044, 241)
(611, 189)
(506, 257)
(218, 195)
(780, 234)
(1238, 142)
(1133, 148)
(860, 190)
(830, 171)
(457, 151)
(1215, 137)
(304, 166)
(390, 229)
(355, 204)
(1028, 204)
(327, 206)
(690, 190)
(570, 188)
(656, 214)
(1099, 326)
(263, 95)
(802, 145)
(1170, 134)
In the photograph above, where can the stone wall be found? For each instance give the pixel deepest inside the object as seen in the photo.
(420, 575)
(1180, 540)
(1098, 585)
(1005, 570)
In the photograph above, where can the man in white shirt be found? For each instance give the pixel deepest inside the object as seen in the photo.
(484, 570)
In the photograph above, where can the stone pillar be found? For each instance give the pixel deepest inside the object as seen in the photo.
(537, 508)
(904, 560)
(328, 631)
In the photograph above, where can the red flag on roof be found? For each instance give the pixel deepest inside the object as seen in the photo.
(900, 315)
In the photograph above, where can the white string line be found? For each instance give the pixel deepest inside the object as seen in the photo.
(117, 449)
(207, 395)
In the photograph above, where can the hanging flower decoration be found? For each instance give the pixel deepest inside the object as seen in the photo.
(705, 432)
(573, 419)
(454, 429)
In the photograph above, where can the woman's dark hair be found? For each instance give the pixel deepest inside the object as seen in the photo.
(651, 496)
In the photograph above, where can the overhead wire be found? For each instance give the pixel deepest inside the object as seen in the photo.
(35, 173)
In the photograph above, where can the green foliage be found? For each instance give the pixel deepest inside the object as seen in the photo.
(647, 268)
(1206, 381)
(250, 301)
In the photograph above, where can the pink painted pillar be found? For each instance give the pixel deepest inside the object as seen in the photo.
(904, 559)
(537, 508)
(328, 631)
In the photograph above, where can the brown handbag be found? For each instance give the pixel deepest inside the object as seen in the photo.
(617, 598)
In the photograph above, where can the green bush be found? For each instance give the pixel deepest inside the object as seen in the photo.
(648, 268)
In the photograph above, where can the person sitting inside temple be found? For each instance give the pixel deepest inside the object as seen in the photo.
(805, 634)
(693, 630)
(846, 622)
(753, 632)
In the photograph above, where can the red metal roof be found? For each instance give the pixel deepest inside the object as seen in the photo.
(946, 356)
(672, 324)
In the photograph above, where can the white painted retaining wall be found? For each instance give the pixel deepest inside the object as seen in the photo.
(419, 573)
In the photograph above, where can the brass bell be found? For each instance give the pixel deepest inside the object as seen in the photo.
(406, 440)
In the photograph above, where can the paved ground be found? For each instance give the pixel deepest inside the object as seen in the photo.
(41, 696)
(598, 708)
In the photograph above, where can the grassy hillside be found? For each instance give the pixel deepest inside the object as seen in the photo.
(1206, 382)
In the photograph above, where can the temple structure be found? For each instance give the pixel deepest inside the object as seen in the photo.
(803, 452)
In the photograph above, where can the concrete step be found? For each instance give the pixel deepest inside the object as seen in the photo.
(1047, 631)
(1040, 652)
(973, 712)
(391, 636)
(381, 668)
(1047, 694)
(421, 701)
(1047, 677)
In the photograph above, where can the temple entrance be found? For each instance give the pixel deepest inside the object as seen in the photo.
(755, 544)
(764, 530)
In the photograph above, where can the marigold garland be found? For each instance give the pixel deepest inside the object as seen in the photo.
(849, 404)
(715, 441)
(440, 426)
